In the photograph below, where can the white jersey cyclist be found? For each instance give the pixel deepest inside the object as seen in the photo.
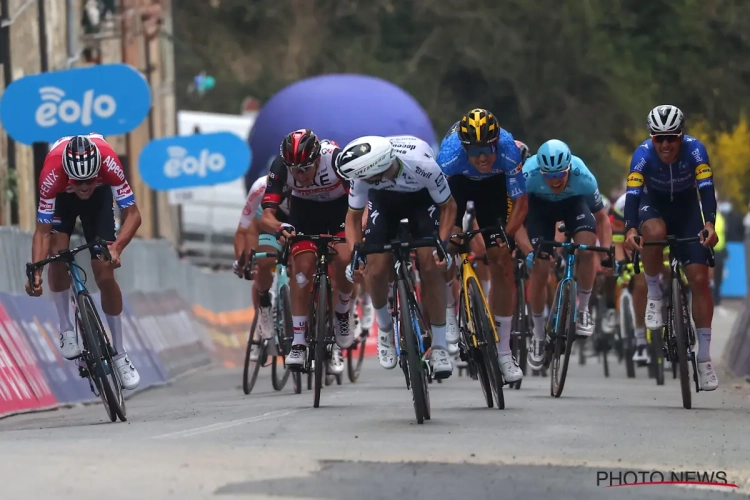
(417, 170)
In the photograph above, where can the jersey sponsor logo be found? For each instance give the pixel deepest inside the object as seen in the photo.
(516, 192)
(424, 173)
(638, 167)
(697, 155)
(48, 182)
(113, 167)
(123, 191)
(46, 207)
(703, 171)
(705, 183)
(635, 180)
(597, 196)
(633, 191)
(321, 180)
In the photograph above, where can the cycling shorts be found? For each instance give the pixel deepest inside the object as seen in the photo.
(97, 215)
(316, 217)
(491, 202)
(682, 216)
(543, 216)
(387, 208)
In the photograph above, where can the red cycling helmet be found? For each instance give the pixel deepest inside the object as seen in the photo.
(300, 148)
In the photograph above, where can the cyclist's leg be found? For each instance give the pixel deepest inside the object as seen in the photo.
(63, 223)
(540, 225)
(342, 310)
(640, 291)
(581, 224)
(307, 217)
(459, 186)
(368, 313)
(695, 258)
(424, 216)
(264, 242)
(381, 229)
(98, 220)
(652, 227)
(500, 264)
(477, 247)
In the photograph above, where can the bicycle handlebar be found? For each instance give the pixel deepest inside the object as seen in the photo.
(363, 249)
(67, 255)
(669, 241)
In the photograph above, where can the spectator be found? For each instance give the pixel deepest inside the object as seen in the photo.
(720, 256)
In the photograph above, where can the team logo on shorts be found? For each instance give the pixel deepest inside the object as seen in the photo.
(635, 180)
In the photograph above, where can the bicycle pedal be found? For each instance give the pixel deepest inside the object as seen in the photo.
(83, 372)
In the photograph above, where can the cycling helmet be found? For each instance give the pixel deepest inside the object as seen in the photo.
(553, 156)
(365, 157)
(81, 159)
(524, 150)
(478, 127)
(665, 119)
(300, 148)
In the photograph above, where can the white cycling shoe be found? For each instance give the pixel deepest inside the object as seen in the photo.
(508, 365)
(336, 363)
(265, 322)
(387, 349)
(129, 376)
(654, 318)
(368, 315)
(707, 376)
(441, 363)
(69, 346)
(342, 329)
(451, 330)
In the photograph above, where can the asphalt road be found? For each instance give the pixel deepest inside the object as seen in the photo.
(202, 437)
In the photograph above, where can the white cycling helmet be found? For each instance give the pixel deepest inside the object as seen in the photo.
(365, 157)
(665, 119)
(81, 159)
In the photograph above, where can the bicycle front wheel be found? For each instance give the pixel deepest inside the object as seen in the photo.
(354, 362)
(322, 315)
(627, 320)
(484, 327)
(563, 343)
(99, 353)
(248, 381)
(417, 377)
(475, 358)
(657, 355)
(680, 333)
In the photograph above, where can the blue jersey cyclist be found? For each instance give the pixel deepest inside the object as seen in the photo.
(561, 187)
(483, 165)
(668, 172)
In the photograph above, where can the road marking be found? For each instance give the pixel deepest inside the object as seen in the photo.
(227, 425)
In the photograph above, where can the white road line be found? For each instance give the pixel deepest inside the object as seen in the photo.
(226, 425)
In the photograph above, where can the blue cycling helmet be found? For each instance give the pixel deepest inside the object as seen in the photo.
(553, 156)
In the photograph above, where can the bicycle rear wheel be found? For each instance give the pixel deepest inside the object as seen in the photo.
(627, 320)
(522, 330)
(657, 355)
(483, 324)
(284, 337)
(680, 333)
(248, 381)
(100, 355)
(474, 356)
(563, 343)
(321, 322)
(417, 377)
(354, 363)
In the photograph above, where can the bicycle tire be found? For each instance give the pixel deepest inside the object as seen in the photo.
(354, 368)
(262, 356)
(321, 324)
(284, 337)
(99, 355)
(247, 386)
(628, 322)
(680, 332)
(475, 360)
(559, 373)
(482, 318)
(279, 382)
(657, 355)
(297, 382)
(525, 332)
(413, 356)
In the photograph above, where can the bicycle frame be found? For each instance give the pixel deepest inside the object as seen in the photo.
(402, 265)
(281, 278)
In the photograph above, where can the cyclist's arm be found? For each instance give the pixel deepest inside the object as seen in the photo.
(132, 221)
(40, 243)
(704, 178)
(515, 184)
(354, 216)
(602, 222)
(273, 196)
(618, 237)
(437, 186)
(634, 189)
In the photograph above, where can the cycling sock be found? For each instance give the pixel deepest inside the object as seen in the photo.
(486, 288)
(654, 287)
(383, 317)
(300, 328)
(450, 301)
(342, 305)
(115, 326)
(264, 299)
(438, 335)
(704, 344)
(640, 336)
(503, 324)
(583, 299)
(62, 303)
(539, 321)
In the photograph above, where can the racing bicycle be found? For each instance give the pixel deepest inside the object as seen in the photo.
(412, 336)
(98, 353)
(561, 323)
(679, 333)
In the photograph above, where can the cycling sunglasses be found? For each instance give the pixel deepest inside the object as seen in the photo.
(670, 138)
(302, 168)
(76, 182)
(555, 175)
(477, 151)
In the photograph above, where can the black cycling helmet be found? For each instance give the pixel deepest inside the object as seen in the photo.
(478, 127)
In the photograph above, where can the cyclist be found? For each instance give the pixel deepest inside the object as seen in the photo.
(662, 199)
(74, 183)
(560, 186)
(317, 206)
(483, 164)
(397, 177)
